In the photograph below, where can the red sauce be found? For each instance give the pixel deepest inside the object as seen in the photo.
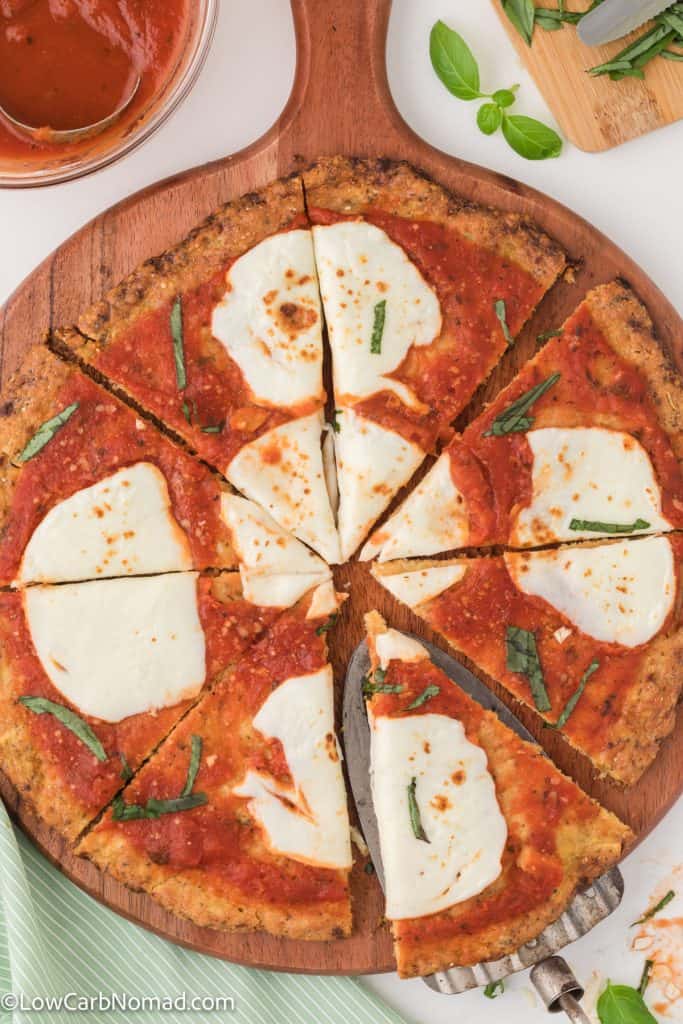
(534, 799)
(220, 837)
(69, 63)
(102, 436)
(468, 279)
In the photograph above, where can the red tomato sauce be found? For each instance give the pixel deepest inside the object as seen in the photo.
(101, 437)
(468, 280)
(68, 63)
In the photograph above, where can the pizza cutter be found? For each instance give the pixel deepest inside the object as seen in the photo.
(550, 975)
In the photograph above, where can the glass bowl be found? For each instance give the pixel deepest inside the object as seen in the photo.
(127, 134)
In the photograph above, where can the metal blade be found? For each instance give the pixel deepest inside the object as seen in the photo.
(586, 909)
(614, 19)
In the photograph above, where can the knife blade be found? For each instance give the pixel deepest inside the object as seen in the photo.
(613, 19)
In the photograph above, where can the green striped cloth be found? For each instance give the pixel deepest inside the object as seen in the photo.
(56, 942)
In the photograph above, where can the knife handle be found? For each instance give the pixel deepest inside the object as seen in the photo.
(558, 988)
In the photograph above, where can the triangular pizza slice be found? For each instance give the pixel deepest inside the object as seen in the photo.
(585, 441)
(484, 842)
(590, 635)
(221, 340)
(422, 293)
(239, 820)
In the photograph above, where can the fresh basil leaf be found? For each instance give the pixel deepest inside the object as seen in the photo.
(377, 684)
(178, 344)
(522, 658)
(122, 811)
(125, 774)
(427, 694)
(501, 313)
(69, 719)
(336, 425)
(494, 989)
(414, 811)
(379, 317)
(327, 626)
(595, 526)
(645, 977)
(530, 138)
(621, 1004)
(453, 62)
(576, 696)
(671, 55)
(656, 909)
(46, 431)
(546, 21)
(195, 759)
(489, 117)
(547, 335)
(187, 413)
(514, 420)
(521, 13)
(505, 97)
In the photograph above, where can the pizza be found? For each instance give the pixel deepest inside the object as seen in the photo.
(262, 840)
(483, 840)
(589, 636)
(423, 294)
(585, 441)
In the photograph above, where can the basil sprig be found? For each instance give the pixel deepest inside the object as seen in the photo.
(665, 900)
(69, 719)
(376, 684)
(454, 63)
(379, 318)
(178, 344)
(621, 1004)
(427, 694)
(595, 526)
(522, 657)
(501, 313)
(576, 696)
(45, 432)
(514, 419)
(121, 811)
(414, 811)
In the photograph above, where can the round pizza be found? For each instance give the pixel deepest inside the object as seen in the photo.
(182, 469)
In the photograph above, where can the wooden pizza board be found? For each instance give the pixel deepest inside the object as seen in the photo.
(340, 103)
(596, 113)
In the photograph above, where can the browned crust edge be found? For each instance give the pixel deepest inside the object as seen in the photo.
(349, 185)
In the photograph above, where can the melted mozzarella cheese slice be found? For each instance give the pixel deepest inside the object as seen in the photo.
(283, 471)
(359, 266)
(619, 593)
(269, 320)
(325, 601)
(261, 544)
(394, 646)
(586, 473)
(308, 820)
(459, 812)
(116, 648)
(373, 463)
(278, 590)
(121, 526)
(420, 585)
(432, 519)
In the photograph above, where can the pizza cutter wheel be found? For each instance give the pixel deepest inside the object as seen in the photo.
(550, 974)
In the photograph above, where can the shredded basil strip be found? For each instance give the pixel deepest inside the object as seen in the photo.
(514, 420)
(522, 657)
(501, 313)
(576, 696)
(494, 988)
(414, 810)
(178, 347)
(376, 684)
(645, 977)
(336, 425)
(655, 910)
(69, 719)
(547, 335)
(213, 428)
(427, 694)
(593, 526)
(155, 808)
(46, 431)
(327, 626)
(380, 314)
(195, 758)
(126, 774)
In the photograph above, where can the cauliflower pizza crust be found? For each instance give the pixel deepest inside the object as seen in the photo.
(557, 838)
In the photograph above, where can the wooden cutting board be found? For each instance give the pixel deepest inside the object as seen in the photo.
(596, 113)
(340, 103)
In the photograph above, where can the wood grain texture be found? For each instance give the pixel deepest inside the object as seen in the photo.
(340, 103)
(595, 113)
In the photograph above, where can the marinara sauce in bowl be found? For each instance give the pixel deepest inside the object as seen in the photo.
(66, 64)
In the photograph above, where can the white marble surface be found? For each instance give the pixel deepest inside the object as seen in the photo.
(633, 194)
